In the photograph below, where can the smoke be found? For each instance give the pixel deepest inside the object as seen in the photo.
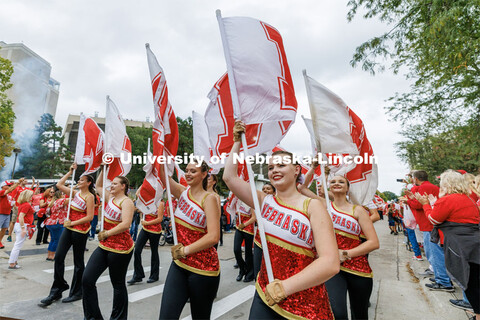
(30, 94)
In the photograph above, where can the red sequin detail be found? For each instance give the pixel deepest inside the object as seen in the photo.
(121, 242)
(245, 218)
(311, 303)
(153, 227)
(77, 215)
(360, 263)
(206, 260)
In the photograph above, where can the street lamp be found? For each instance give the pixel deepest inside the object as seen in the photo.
(16, 151)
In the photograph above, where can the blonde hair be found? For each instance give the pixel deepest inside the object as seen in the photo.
(475, 186)
(25, 196)
(453, 182)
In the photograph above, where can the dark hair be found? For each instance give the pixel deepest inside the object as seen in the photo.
(214, 177)
(421, 175)
(271, 185)
(125, 182)
(289, 154)
(91, 186)
(204, 168)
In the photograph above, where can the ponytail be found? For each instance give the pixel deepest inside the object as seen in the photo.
(91, 187)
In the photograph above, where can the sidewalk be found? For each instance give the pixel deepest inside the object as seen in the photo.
(398, 291)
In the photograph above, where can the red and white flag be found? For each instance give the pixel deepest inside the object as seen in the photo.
(338, 130)
(151, 191)
(201, 142)
(117, 142)
(90, 145)
(180, 175)
(165, 127)
(262, 87)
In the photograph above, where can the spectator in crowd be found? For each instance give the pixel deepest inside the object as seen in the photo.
(433, 251)
(58, 207)
(94, 222)
(24, 220)
(6, 189)
(42, 232)
(458, 217)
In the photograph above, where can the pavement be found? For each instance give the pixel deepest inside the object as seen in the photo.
(398, 291)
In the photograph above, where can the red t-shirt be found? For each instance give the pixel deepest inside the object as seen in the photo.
(454, 207)
(417, 209)
(5, 206)
(27, 209)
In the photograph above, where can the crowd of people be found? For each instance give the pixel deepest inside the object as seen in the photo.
(306, 251)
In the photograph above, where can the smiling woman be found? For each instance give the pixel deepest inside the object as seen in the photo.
(195, 270)
(114, 251)
(300, 241)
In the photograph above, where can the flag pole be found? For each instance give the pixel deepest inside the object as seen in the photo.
(317, 142)
(236, 109)
(71, 192)
(148, 150)
(105, 172)
(170, 205)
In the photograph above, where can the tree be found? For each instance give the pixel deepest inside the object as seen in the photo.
(47, 156)
(439, 44)
(7, 116)
(389, 195)
(457, 148)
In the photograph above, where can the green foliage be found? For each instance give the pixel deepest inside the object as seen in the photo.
(7, 116)
(457, 148)
(381, 195)
(437, 44)
(185, 141)
(389, 195)
(47, 156)
(139, 140)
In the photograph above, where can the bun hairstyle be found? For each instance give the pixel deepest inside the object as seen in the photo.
(289, 154)
(125, 182)
(91, 186)
(204, 168)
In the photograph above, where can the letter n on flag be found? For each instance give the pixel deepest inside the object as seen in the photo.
(90, 145)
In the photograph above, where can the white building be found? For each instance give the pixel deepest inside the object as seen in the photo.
(34, 92)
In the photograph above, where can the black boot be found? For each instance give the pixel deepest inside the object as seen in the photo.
(241, 274)
(50, 299)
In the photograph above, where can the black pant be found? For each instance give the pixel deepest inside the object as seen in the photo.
(142, 238)
(259, 310)
(257, 259)
(244, 265)
(473, 290)
(182, 284)
(78, 241)
(117, 264)
(41, 232)
(359, 290)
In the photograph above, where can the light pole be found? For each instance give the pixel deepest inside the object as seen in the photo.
(16, 151)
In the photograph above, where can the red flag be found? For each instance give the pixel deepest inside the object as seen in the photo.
(118, 143)
(90, 145)
(165, 127)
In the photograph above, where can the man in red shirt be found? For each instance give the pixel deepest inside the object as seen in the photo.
(5, 207)
(433, 251)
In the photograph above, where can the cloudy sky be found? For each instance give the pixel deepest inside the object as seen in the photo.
(97, 48)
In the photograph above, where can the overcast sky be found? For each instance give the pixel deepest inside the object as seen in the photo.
(97, 48)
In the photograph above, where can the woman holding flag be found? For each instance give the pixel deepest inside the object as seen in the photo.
(75, 233)
(195, 270)
(300, 241)
(355, 277)
(151, 231)
(114, 251)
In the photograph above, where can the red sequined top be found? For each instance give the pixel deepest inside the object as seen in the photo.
(78, 210)
(191, 225)
(121, 242)
(153, 228)
(291, 247)
(347, 232)
(243, 215)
